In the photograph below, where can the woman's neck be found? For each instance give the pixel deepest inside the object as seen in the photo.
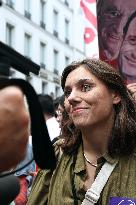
(95, 140)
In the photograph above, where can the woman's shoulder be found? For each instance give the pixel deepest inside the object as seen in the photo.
(57, 148)
(129, 160)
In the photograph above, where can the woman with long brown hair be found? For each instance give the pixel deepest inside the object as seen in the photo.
(99, 133)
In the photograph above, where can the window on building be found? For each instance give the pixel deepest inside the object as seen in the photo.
(9, 34)
(66, 2)
(27, 45)
(42, 54)
(66, 31)
(44, 87)
(27, 6)
(42, 13)
(10, 3)
(66, 60)
(55, 60)
(55, 23)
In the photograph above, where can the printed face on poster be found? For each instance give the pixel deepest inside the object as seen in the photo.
(117, 35)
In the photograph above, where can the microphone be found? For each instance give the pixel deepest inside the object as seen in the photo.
(9, 189)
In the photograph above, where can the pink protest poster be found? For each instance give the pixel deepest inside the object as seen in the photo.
(117, 35)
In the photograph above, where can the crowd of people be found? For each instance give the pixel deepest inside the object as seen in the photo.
(96, 126)
(92, 126)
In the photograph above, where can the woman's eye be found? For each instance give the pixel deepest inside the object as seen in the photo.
(86, 87)
(67, 93)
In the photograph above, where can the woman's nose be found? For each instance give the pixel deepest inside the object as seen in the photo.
(74, 97)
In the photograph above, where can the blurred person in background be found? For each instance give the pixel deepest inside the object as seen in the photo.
(47, 105)
(26, 176)
(14, 127)
(60, 109)
(56, 104)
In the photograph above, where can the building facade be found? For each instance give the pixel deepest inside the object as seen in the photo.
(49, 32)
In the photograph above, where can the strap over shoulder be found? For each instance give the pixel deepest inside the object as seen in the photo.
(93, 194)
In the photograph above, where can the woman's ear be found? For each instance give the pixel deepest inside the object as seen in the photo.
(116, 98)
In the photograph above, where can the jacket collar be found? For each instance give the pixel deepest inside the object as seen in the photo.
(80, 162)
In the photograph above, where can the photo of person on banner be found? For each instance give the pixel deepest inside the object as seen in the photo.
(113, 17)
(127, 54)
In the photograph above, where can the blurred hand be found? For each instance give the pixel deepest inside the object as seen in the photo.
(14, 127)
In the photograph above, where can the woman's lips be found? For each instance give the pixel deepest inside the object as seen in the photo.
(78, 109)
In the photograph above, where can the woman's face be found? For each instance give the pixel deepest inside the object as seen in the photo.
(87, 100)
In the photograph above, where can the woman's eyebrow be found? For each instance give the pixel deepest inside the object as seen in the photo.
(79, 82)
(84, 80)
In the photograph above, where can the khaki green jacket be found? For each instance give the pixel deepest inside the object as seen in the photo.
(57, 188)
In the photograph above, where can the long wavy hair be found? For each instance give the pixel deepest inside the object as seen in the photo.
(123, 135)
